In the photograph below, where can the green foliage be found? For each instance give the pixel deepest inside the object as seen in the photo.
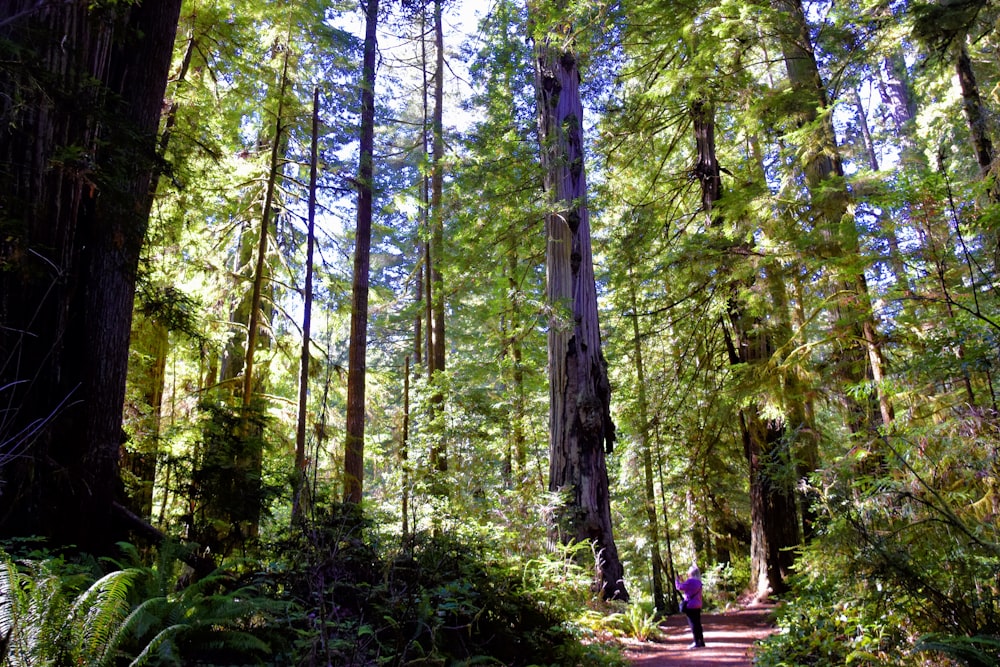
(134, 616)
(976, 651)
(636, 622)
(228, 486)
(907, 560)
(822, 627)
(439, 601)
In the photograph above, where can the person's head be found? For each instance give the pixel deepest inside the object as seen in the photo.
(694, 572)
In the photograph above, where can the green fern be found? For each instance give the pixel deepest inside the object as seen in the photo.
(8, 579)
(978, 651)
(42, 625)
(40, 615)
(165, 629)
(98, 612)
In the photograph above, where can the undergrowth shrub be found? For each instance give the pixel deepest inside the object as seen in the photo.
(327, 594)
(53, 612)
(637, 621)
(440, 600)
(904, 568)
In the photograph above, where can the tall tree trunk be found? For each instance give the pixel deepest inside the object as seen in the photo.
(354, 446)
(866, 133)
(773, 516)
(151, 343)
(975, 113)
(439, 454)
(80, 104)
(772, 497)
(404, 454)
(894, 86)
(249, 463)
(581, 432)
(299, 486)
(671, 573)
(254, 324)
(839, 241)
(645, 448)
(518, 441)
(423, 260)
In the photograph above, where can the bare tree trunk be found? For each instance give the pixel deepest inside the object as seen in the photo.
(866, 133)
(581, 432)
(404, 454)
(354, 446)
(299, 485)
(254, 324)
(439, 454)
(772, 498)
(975, 114)
(422, 225)
(645, 447)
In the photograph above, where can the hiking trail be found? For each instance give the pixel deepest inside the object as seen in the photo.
(729, 640)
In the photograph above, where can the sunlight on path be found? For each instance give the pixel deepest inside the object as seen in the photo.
(729, 640)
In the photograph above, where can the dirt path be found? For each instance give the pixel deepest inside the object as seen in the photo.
(729, 639)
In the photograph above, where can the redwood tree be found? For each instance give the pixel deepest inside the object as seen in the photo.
(354, 447)
(581, 432)
(81, 92)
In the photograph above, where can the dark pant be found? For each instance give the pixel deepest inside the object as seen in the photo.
(694, 621)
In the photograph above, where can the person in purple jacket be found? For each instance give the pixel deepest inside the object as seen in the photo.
(691, 606)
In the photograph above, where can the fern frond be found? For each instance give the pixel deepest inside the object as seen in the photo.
(978, 651)
(8, 583)
(163, 640)
(41, 629)
(99, 611)
(146, 616)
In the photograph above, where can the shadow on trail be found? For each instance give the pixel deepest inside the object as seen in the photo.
(729, 639)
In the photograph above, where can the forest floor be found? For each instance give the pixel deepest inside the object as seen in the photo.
(729, 640)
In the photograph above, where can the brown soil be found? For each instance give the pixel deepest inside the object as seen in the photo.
(729, 640)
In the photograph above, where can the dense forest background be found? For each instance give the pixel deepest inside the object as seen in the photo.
(317, 348)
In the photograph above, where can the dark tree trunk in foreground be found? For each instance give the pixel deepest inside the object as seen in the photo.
(580, 428)
(354, 447)
(81, 92)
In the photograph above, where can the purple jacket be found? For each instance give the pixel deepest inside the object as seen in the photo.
(691, 590)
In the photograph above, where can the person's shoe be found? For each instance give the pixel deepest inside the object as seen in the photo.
(696, 646)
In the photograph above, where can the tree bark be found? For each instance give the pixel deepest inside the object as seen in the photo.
(254, 324)
(773, 525)
(975, 114)
(581, 432)
(79, 159)
(354, 447)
